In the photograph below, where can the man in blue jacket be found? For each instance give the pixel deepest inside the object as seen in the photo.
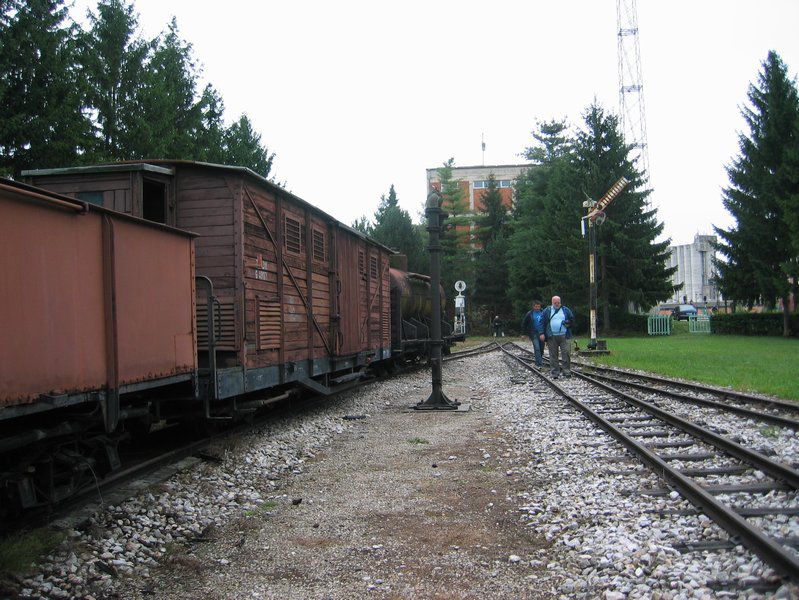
(558, 321)
(533, 326)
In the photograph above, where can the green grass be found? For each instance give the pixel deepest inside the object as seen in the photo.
(763, 364)
(262, 508)
(418, 440)
(18, 551)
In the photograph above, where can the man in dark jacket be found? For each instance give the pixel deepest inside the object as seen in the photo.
(497, 324)
(558, 321)
(533, 326)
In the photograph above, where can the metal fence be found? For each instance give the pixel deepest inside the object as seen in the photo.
(658, 325)
(699, 324)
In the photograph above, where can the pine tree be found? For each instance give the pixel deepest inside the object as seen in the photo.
(560, 250)
(114, 61)
(169, 116)
(528, 277)
(363, 225)
(210, 142)
(44, 122)
(493, 220)
(548, 254)
(456, 235)
(243, 148)
(762, 195)
(393, 228)
(491, 268)
(632, 271)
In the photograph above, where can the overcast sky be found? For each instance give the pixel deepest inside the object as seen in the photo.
(353, 96)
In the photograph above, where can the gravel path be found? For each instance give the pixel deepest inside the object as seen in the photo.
(519, 498)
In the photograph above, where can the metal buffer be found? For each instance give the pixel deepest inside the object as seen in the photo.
(437, 400)
(595, 217)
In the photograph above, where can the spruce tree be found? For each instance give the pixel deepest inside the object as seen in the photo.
(632, 265)
(528, 277)
(493, 220)
(456, 235)
(242, 147)
(44, 121)
(210, 142)
(491, 278)
(169, 115)
(363, 225)
(762, 193)
(114, 59)
(491, 268)
(393, 228)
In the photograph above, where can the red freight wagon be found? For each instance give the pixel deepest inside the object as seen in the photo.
(94, 306)
(297, 297)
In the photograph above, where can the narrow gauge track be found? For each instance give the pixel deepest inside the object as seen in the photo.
(653, 382)
(775, 412)
(489, 347)
(669, 445)
(181, 446)
(149, 462)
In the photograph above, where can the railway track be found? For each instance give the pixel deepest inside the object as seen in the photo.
(147, 462)
(778, 412)
(711, 471)
(489, 347)
(757, 408)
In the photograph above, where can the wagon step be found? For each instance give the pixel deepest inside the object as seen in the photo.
(344, 382)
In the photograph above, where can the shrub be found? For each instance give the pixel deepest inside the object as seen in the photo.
(624, 322)
(754, 324)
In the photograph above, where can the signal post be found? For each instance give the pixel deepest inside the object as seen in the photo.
(595, 217)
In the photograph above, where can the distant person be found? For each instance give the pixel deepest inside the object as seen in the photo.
(533, 326)
(558, 321)
(497, 324)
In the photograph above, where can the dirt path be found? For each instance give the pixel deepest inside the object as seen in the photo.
(403, 505)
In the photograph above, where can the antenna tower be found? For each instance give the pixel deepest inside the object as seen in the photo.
(631, 84)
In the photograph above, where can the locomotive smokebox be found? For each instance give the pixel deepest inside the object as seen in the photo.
(412, 291)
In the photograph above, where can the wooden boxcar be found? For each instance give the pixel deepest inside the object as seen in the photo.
(297, 297)
(94, 305)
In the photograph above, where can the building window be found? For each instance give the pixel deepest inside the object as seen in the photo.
(361, 263)
(293, 238)
(501, 183)
(318, 245)
(373, 264)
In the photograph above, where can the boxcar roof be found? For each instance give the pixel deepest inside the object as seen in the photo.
(35, 193)
(157, 166)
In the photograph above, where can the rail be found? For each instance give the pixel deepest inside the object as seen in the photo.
(780, 558)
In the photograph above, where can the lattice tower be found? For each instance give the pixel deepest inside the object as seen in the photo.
(631, 84)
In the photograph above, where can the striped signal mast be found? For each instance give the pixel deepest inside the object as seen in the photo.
(595, 217)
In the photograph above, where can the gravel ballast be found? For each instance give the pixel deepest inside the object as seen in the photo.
(521, 497)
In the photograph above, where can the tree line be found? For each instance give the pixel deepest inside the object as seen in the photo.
(73, 96)
(536, 249)
(510, 257)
